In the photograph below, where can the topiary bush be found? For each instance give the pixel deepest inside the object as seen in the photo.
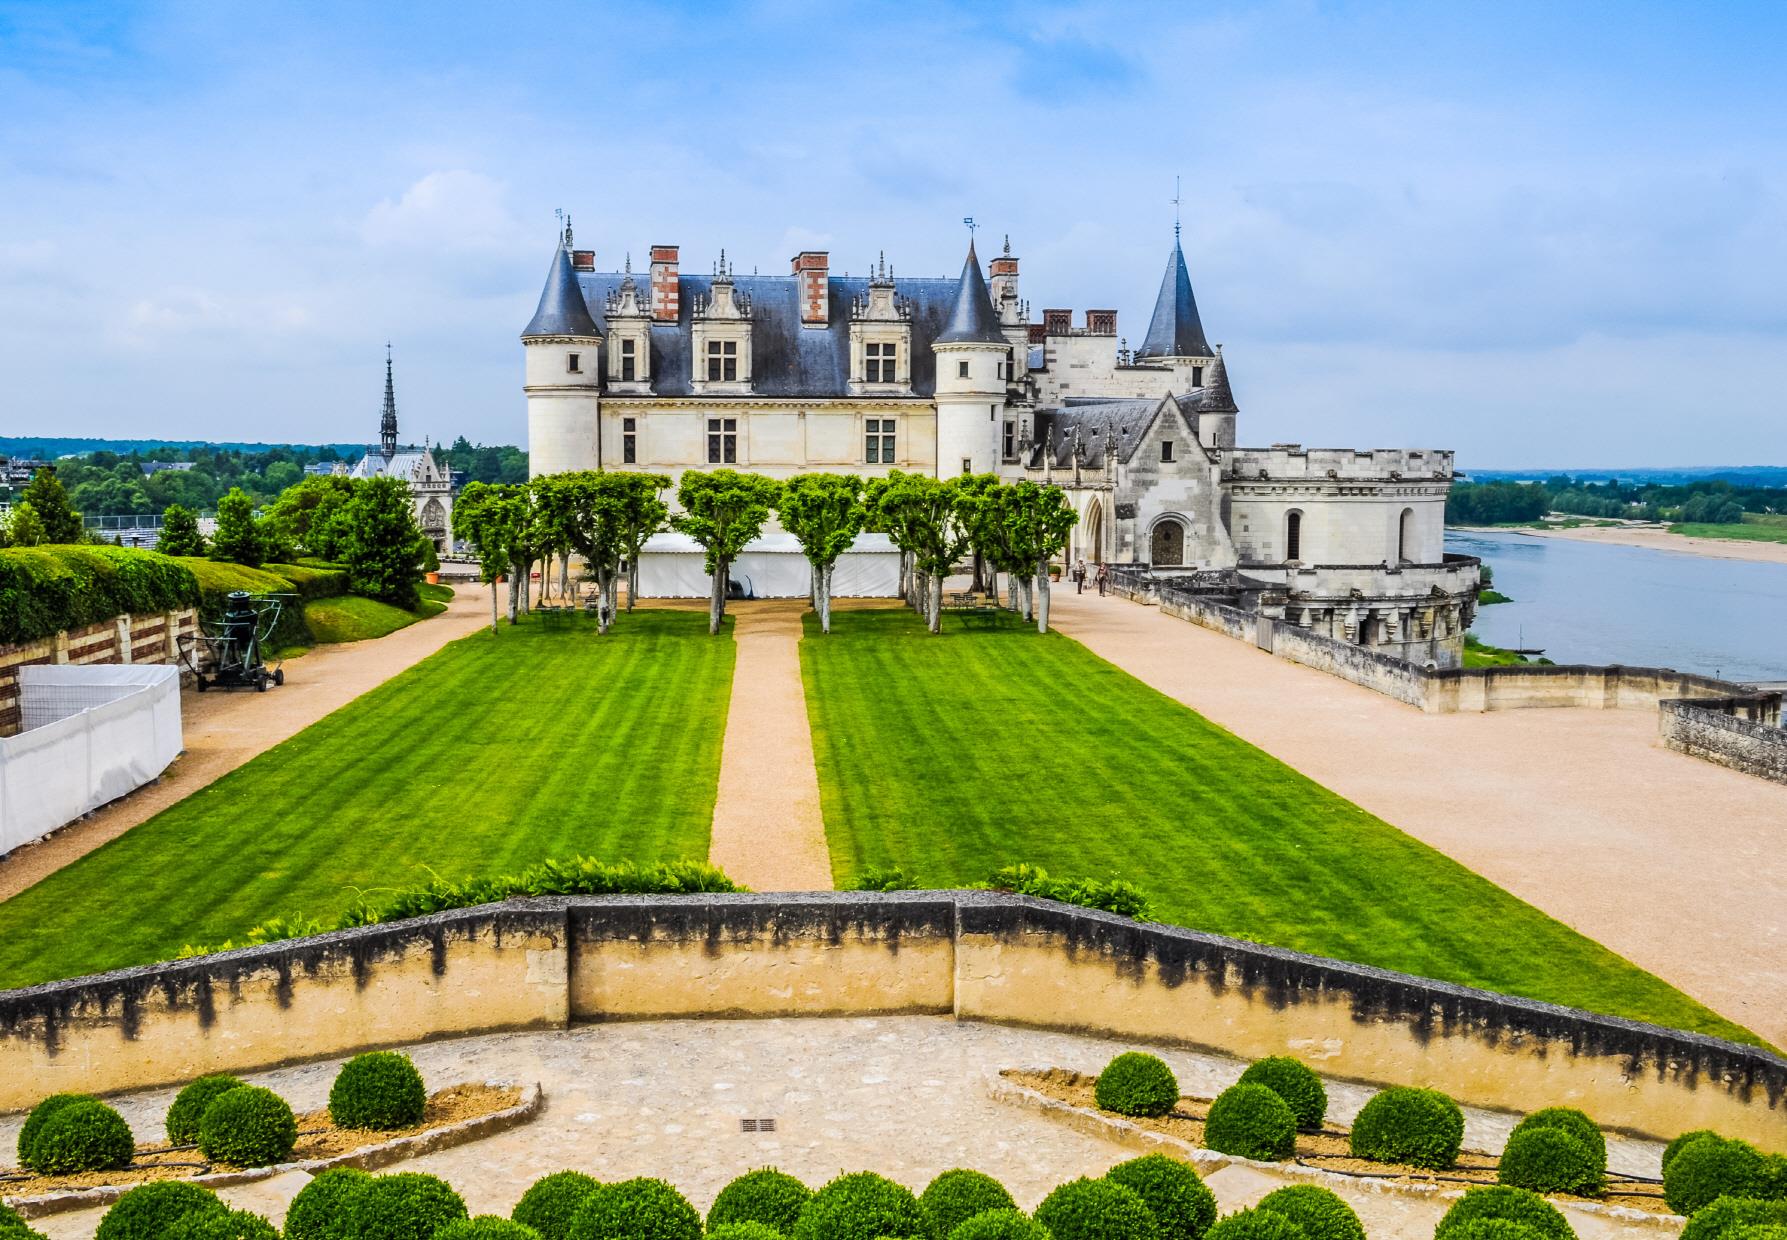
(147, 1211)
(1319, 1212)
(1494, 1229)
(248, 1127)
(486, 1227)
(379, 1090)
(1097, 1210)
(1137, 1084)
(860, 1206)
(189, 1106)
(1292, 1080)
(1511, 1205)
(1550, 1160)
(773, 1198)
(1717, 1219)
(83, 1136)
(552, 1201)
(1711, 1167)
(637, 1209)
(1680, 1143)
(1760, 1231)
(1251, 1121)
(999, 1225)
(222, 1225)
(1574, 1122)
(320, 1210)
(1182, 1204)
(39, 1116)
(957, 1196)
(406, 1205)
(1255, 1225)
(1415, 1127)
(744, 1231)
(12, 1227)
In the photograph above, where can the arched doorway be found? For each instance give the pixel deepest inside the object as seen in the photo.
(1092, 540)
(1168, 547)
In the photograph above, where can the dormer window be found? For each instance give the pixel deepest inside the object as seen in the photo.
(629, 362)
(573, 363)
(722, 361)
(879, 363)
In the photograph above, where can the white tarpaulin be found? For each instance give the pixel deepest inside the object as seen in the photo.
(673, 566)
(92, 734)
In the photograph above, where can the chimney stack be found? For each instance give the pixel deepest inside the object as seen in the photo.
(1101, 322)
(1004, 271)
(813, 267)
(583, 260)
(1057, 322)
(667, 296)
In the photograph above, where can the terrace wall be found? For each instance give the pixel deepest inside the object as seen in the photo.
(541, 964)
(123, 639)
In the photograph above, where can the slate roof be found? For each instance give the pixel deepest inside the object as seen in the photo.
(1175, 330)
(1127, 419)
(563, 311)
(973, 320)
(398, 465)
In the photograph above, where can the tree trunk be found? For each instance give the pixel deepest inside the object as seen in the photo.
(1025, 589)
(716, 603)
(564, 578)
(632, 580)
(514, 594)
(602, 601)
(1011, 592)
(935, 619)
(1042, 597)
(825, 600)
(904, 592)
(493, 628)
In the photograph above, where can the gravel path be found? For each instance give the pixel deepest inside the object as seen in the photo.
(1674, 863)
(225, 728)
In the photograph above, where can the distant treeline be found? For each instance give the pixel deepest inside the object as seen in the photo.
(1740, 476)
(1714, 502)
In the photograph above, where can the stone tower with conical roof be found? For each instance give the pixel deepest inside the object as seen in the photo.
(563, 342)
(972, 353)
(1175, 333)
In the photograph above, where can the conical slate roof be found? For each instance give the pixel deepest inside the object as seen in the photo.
(972, 321)
(1175, 331)
(562, 311)
(1218, 398)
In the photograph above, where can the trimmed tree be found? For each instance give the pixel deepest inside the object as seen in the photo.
(383, 546)
(1038, 519)
(826, 513)
(495, 518)
(920, 514)
(238, 539)
(723, 510)
(49, 499)
(180, 532)
(643, 513)
(309, 514)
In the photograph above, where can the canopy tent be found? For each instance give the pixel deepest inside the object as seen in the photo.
(673, 565)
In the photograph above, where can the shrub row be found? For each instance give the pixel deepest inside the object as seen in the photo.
(44, 590)
(1113, 895)
(1701, 1167)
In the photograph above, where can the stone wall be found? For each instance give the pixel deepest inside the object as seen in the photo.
(540, 964)
(1734, 732)
(125, 639)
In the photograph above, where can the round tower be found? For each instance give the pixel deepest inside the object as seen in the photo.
(563, 343)
(971, 354)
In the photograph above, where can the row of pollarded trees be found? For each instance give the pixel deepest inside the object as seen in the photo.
(604, 518)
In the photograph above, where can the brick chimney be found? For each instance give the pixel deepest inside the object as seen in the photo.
(667, 295)
(813, 267)
(1101, 322)
(1004, 270)
(583, 260)
(1057, 322)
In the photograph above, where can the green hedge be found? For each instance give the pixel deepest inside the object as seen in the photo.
(1505, 1204)
(1097, 1210)
(1135, 1083)
(44, 590)
(380, 1090)
(1415, 1127)
(1294, 1081)
(1183, 1205)
(219, 578)
(767, 1196)
(1251, 1121)
(957, 1196)
(191, 1104)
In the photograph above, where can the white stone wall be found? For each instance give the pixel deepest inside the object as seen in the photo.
(1340, 525)
(775, 437)
(562, 405)
(970, 410)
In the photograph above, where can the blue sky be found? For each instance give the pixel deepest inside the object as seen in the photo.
(1536, 233)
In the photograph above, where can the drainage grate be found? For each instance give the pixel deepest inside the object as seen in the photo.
(757, 1125)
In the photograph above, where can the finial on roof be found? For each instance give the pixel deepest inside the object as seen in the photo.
(629, 268)
(1008, 245)
(1175, 210)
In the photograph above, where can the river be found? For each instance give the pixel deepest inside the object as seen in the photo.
(1588, 602)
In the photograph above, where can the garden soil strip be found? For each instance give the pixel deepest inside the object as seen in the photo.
(224, 729)
(1670, 861)
(767, 830)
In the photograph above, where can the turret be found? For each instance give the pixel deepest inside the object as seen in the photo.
(971, 352)
(564, 374)
(1175, 333)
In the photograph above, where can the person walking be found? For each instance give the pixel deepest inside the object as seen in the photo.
(1079, 576)
(1104, 577)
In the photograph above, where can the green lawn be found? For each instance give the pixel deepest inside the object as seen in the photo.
(951, 756)
(493, 753)
(350, 618)
(1754, 529)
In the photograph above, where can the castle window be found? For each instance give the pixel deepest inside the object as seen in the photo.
(722, 360)
(878, 443)
(1197, 376)
(629, 440)
(1011, 440)
(628, 363)
(961, 370)
(1293, 536)
(571, 363)
(879, 362)
(1166, 449)
(1405, 536)
(722, 441)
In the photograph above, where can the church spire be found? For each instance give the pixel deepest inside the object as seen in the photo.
(387, 425)
(1175, 330)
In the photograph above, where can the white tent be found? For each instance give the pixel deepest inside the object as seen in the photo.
(672, 565)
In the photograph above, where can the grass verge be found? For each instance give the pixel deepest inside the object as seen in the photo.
(1749, 531)
(350, 618)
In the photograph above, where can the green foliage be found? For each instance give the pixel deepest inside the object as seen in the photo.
(1255, 1224)
(12, 1227)
(320, 1211)
(350, 618)
(1512, 1205)
(1550, 1160)
(1097, 1210)
(1319, 1212)
(190, 1103)
(825, 512)
(83, 1136)
(1135, 1083)
(379, 1090)
(638, 1209)
(552, 1201)
(883, 878)
(248, 1127)
(1712, 1167)
(40, 1115)
(46, 589)
(1000, 1225)
(1251, 1121)
(223, 1225)
(1722, 1216)
(24, 528)
(1112, 895)
(1680, 1143)
(1183, 1205)
(743, 1231)
(382, 545)
(406, 1205)
(1294, 1081)
(498, 522)
(1494, 1229)
(180, 532)
(956, 1196)
(486, 1227)
(1414, 1127)
(860, 1206)
(1572, 1121)
(312, 515)
(767, 1196)
(238, 538)
(147, 1211)
(45, 493)
(577, 876)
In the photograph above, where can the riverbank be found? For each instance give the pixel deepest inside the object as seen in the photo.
(1654, 537)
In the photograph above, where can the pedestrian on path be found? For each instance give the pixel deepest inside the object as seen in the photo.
(1104, 577)
(1079, 576)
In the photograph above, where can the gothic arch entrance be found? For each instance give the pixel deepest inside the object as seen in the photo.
(1092, 545)
(1168, 547)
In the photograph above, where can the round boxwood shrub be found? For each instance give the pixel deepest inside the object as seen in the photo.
(1774, 1177)
(1415, 1127)
(638, 1209)
(1702, 1171)
(12, 1227)
(552, 1201)
(406, 1205)
(1682, 1142)
(320, 1210)
(1183, 1205)
(222, 1225)
(1761, 1231)
(744, 1231)
(1255, 1224)
(999, 1225)
(1550, 1160)
(83, 1136)
(189, 1106)
(1137, 1084)
(1251, 1121)
(1292, 1080)
(1318, 1211)
(860, 1206)
(248, 1127)
(1494, 1229)
(957, 1196)
(380, 1090)
(1574, 1122)
(1097, 1210)
(766, 1195)
(486, 1227)
(1512, 1205)
(147, 1211)
(1716, 1219)
(39, 1116)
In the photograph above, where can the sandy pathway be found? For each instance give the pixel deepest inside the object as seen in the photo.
(1675, 863)
(225, 728)
(1660, 539)
(767, 831)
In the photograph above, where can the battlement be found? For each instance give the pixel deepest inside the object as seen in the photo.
(1293, 461)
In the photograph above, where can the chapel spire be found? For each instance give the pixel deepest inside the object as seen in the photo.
(387, 425)
(1175, 330)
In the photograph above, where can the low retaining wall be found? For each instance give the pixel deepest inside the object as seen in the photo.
(1734, 732)
(540, 964)
(124, 639)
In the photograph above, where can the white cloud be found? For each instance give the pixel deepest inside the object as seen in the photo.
(454, 209)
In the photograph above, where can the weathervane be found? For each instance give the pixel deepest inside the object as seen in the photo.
(1175, 208)
(969, 220)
